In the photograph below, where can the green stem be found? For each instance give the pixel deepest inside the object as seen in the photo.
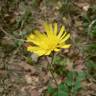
(51, 69)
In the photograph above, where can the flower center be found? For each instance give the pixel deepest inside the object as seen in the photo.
(52, 44)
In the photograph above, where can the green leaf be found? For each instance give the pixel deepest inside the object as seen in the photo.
(81, 76)
(91, 64)
(60, 93)
(57, 60)
(63, 87)
(51, 90)
(77, 86)
(69, 82)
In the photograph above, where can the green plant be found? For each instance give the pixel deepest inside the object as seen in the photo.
(60, 64)
(71, 85)
(89, 22)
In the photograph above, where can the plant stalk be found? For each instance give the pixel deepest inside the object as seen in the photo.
(51, 69)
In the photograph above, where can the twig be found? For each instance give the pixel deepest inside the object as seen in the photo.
(10, 36)
(90, 26)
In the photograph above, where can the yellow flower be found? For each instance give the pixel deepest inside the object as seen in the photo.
(51, 40)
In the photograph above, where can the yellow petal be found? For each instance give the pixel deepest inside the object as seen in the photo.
(55, 28)
(51, 29)
(65, 38)
(37, 33)
(48, 52)
(63, 35)
(30, 38)
(36, 50)
(39, 36)
(56, 49)
(31, 48)
(66, 46)
(47, 28)
(40, 52)
(61, 31)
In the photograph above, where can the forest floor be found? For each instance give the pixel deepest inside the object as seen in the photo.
(25, 74)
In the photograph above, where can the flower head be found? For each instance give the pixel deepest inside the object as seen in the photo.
(51, 40)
